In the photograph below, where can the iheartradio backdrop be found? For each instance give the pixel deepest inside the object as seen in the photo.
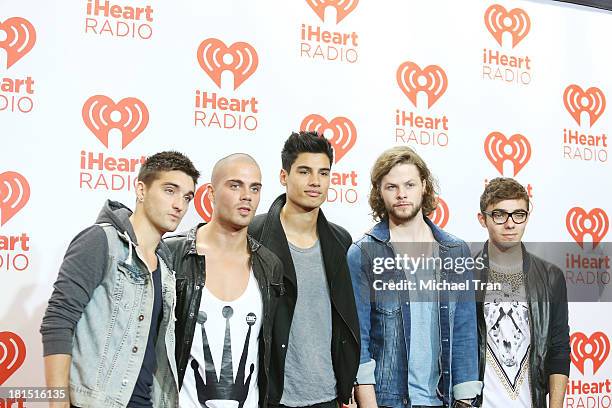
(480, 89)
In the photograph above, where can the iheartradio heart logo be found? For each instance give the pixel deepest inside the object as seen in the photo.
(440, 215)
(20, 38)
(343, 7)
(595, 348)
(12, 354)
(576, 222)
(431, 80)
(576, 101)
(203, 205)
(340, 132)
(498, 149)
(215, 57)
(101, 114)
(14, 195)
(499, 21)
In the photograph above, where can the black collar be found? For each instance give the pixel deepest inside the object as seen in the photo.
(273, 236)
(190, 248)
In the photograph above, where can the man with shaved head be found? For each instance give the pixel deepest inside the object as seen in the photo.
(227, 290)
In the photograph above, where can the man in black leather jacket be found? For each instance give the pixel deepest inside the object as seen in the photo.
(522, 323)
(315, 339)
(227, 289)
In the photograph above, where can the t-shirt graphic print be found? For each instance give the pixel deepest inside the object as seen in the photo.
(506, 313)
(223, 367)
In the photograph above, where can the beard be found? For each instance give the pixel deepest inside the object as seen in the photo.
(402, 216)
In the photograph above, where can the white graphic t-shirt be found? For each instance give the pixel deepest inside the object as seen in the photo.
(223, 366)
(506, 379)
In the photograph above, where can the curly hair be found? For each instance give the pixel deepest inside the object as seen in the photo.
(500, 189)
(383, 165)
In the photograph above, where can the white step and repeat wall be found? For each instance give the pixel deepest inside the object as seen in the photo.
(479, 88)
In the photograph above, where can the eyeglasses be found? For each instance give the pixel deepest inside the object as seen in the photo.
(500, 216)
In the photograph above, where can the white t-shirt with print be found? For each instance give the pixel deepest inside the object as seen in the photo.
(223, 367)
(506, 378)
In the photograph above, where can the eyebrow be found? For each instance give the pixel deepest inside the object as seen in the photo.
(170, 184)
(310, 168)
(388, 183)
(237, 181)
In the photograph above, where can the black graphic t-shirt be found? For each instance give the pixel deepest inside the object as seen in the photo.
(223, 367)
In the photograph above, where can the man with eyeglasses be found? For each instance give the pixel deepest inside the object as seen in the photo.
(522, 324)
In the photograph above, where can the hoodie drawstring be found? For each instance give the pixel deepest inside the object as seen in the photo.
(129, 258)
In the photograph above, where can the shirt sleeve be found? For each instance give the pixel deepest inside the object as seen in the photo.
(361, 290)
(81, 272)
(558, 357)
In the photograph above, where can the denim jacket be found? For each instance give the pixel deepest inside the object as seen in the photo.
(121, 342)
(384, 322)
(100, 314)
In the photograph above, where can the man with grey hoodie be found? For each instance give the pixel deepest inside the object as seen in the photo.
(108, 332)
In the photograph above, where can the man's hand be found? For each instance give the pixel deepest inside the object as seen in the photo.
(365, 396)
(57, 374)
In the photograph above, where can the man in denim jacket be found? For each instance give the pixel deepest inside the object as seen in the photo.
(108, 332)
(418, 347)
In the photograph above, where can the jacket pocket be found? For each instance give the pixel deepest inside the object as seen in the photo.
(277, 289)
(386, 297)
(131, 273)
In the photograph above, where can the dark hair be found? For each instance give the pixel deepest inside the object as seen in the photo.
(166, 161)
(305, 142)
(383, 165)
(500, 189)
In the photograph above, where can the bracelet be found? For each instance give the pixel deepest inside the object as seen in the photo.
(462, 404)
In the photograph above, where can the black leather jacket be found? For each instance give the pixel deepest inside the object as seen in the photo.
(549, 351)
(190, 271)
(345, 346)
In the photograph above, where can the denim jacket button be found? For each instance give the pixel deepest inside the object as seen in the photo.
(191, 314)
(141, 318)
(124, 382)
(197, 287)
(134, 349)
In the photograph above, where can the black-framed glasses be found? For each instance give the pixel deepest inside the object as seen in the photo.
(501, 216)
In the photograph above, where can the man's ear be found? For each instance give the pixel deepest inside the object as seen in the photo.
(482, 219)
(141, 191)
(283, 177)
(210, 191)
